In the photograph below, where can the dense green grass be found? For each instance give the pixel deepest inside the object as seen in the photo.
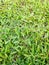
(24, 32)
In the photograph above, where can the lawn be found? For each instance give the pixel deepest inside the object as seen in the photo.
(24, 32)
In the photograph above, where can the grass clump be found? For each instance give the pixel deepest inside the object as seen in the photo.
(24, 32)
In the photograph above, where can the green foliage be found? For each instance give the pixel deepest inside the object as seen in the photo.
(24, 32)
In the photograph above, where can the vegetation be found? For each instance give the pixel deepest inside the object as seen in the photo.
(24, 32)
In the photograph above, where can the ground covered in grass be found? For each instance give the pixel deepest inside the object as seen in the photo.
(24, 32)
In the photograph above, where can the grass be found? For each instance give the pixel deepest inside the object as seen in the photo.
(24, 32)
